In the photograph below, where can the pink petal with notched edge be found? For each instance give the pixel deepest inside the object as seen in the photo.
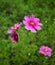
(25, 22)
(27, 27)
(37, 27)
(49, 54)
(33, 30)
(26, 17)
(30, 28)
(40, 24)
(10, 31)
(17, 25)
(36, 19)
(32, 17)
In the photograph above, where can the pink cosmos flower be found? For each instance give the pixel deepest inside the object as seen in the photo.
(45, 50)
(14, 37)
(14, 28)
(31, 23)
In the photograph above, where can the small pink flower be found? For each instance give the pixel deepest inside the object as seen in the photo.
(31, 23)
(45, 50)
(14, 37)
(14, 28)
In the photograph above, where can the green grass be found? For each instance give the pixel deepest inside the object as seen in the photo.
(25, 52)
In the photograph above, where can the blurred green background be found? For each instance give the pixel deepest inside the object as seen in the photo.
(25, 52)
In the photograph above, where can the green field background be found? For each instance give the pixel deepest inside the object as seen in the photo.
(25, 52)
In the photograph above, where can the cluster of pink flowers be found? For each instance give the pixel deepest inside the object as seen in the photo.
(32, 24)
(13, 32)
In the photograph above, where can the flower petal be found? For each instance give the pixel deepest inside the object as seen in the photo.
(33, 30)
(10, 31)
(26, 18)
(37, 27)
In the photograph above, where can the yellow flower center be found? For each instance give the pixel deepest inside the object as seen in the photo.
(45, 50)
(15, 28)
(32, 23)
